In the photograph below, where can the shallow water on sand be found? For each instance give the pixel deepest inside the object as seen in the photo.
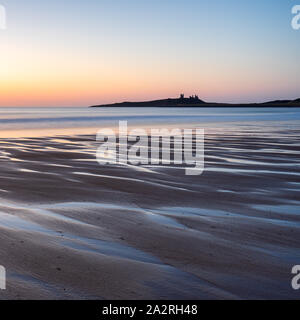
(71, 228)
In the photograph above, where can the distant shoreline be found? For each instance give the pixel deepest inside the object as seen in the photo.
(203, 106)
(197, 103)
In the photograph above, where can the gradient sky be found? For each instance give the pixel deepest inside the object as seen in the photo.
(77, 53)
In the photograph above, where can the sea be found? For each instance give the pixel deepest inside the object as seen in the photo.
(32, 122)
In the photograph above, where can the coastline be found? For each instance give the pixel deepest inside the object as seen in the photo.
(193, 102)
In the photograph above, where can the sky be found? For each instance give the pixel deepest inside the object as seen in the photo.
(79, 53)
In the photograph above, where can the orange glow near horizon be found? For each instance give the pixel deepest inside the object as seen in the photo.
(94, 53)
(82, 89)
(37, 79)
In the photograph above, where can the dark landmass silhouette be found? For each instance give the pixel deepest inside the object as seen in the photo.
(195, 102)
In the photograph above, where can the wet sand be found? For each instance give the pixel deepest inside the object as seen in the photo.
(72, 229)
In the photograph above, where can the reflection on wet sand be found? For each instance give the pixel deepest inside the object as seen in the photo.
(71, 228)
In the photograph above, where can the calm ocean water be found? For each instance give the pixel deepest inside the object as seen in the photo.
(36, 121)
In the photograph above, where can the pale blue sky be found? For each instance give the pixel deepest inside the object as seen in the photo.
(233, 50)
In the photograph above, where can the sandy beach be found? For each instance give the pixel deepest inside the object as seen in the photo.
(72, 229)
